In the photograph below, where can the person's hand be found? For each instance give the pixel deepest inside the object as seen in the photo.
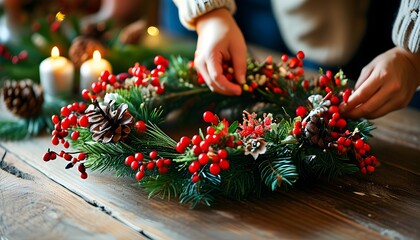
(386, 84)
(219, 40)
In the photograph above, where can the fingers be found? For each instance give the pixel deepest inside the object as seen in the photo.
(239, 63)
(364, 92)
(211, 70)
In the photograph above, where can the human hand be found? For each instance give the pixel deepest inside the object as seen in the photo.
(220, 40)
(386, 84)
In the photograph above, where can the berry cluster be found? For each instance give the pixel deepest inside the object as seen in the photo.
(140, 164)
(72, 117)
(15, 59)
(326, 127)
(267, 75)
(138, 75)
(71, 157)
(210, 150)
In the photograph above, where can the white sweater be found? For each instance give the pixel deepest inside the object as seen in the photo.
(329, 32)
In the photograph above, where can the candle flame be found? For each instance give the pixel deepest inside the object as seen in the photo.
(55, 52)
(96, 56)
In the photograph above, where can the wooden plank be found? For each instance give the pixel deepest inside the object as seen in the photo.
(274, 216)
(34, 207)
(388, 201)
(400, 127)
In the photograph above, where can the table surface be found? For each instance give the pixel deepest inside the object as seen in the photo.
(41, 200)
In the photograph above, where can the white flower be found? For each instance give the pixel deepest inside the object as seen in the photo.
(255, 147)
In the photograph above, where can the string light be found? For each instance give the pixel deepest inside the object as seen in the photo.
(60, 16)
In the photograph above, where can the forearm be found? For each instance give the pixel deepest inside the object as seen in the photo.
(190, 10)
(406, 30)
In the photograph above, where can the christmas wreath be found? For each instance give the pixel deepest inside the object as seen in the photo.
(289, 129)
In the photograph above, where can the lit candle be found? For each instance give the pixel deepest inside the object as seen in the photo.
(57, 76)
(92, 69)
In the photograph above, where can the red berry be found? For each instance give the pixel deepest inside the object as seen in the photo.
(208, 116)
(370, 169)
(139, 156)
(65, 123)
(129, 160)
(66, 144)
(224, 164)
(134, 165)
(204, 146)
(55, 119)
(214, 169)
(75, 135)
(180, 148)
(160, 60)
(104, 75)
(47, 156)
(81, 156)
(222, 153)
(153, 154)
(341, 123)
(195, 178)
(167, 162)
(284, 58)
(55, 140)
(140, 127)
(301, 111)
(65, 111)
(359, 143)
(194, 167)
(203, 158)
(300, 55)
(159, 163)
(84, 121)
(86, 94)
(150, 165)
(139, 175)
(196, 139)
(112, 79)
(196, 150)
(81, 168)
(83, 175)
(185, 141)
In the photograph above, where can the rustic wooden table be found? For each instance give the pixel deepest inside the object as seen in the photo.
(41, 200)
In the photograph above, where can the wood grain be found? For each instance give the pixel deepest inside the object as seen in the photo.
(34, 207)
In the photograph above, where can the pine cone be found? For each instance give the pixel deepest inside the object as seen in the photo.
(108, 124)
(23, 98)
(313, 132)
(82, 49)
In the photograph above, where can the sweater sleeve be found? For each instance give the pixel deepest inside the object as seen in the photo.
(406, 29)
(189, 10)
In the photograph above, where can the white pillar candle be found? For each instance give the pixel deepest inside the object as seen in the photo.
(91, 70)
(56, 75)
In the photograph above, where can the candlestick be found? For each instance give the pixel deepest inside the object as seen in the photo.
(56, 75)
(91, 70)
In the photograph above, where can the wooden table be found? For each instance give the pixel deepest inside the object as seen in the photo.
(41, 200)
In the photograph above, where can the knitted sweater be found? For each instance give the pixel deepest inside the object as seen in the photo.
(329, 32)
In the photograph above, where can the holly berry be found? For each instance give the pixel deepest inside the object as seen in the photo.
(214, 169)
(301, 111)
(300, 55)
(140, 127)
(208, 116)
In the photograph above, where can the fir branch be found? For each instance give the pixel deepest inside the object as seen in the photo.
(315, 162)
(276, 170)
(166, 186)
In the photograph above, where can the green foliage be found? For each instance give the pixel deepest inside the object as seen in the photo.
(21, 128)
